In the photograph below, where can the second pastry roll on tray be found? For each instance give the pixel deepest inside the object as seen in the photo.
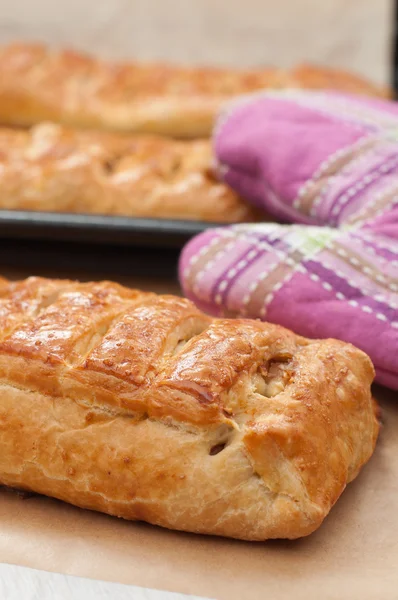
(52, 168)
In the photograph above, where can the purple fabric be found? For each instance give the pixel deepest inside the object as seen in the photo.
(328, 163)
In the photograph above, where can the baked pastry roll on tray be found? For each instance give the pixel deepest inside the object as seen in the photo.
(51, 168)
(37, 84)
(142, 407)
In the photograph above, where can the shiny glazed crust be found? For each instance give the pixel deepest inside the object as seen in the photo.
(51, 168)
(142, 407)
(39, 84)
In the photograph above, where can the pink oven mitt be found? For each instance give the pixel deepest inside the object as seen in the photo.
(329, 164)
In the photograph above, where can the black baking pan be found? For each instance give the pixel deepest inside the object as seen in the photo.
(98, 229)
(67, 244)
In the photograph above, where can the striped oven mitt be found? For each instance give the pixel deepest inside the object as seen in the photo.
(329, 164)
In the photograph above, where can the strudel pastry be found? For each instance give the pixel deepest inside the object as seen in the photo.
(40, 84)
(51, 168)
(143, 407)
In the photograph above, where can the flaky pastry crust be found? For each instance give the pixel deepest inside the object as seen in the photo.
(39, 84)
(143, 407)
(51, 168)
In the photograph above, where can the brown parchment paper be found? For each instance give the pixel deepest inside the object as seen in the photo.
(353, 555)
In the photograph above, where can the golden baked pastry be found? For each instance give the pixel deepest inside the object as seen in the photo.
(143, 407)
(37, 83)
(51, 168)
